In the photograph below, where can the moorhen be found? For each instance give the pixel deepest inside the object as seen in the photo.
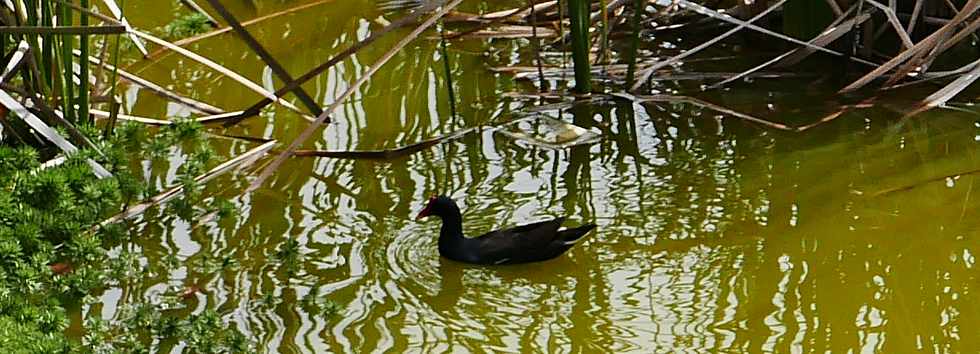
(527, 243)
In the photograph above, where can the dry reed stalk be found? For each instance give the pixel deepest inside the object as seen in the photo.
(946, 93)
(644, 74)
(46, 131)
(923, 45)
(242, 160)
(715, 14)
(55, 162)
(836, 29)
(916, 11)
(159, 90)
(16, 61)
(220, 31)
(926, 62)
(273, 64)
(835, 8)
(924, 59)
(544, 6)
(594, 18)
(153, 121)
(937, 75)
(610, 8)
(704, 104)
(506, 32)
(962, 34)
(825, 119)
(893, 20)
(268, 170)
(114, 9)
(490, 22)
(219, 68)
(920, 183)
(41, 105)
(130, 118)
(385, 154)
(197, 8)
(798, 54)
(346, 53)
(61, 30)
(196, 57)
(866, 103)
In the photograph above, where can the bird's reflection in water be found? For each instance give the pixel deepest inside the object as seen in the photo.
(451, 287)
(496, 282)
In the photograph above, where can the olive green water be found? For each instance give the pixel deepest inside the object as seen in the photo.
(715, 235)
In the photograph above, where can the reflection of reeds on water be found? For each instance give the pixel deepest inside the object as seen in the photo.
(911, 50)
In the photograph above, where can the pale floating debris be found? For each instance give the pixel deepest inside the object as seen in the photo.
(549, 132)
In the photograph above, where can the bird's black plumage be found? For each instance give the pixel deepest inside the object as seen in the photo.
(522, 244)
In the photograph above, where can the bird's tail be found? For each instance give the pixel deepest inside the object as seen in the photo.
(571, 236)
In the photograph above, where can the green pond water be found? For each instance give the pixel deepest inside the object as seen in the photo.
(715, 234)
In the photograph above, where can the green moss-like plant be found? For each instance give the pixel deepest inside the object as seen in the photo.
(51, 255)
(186, 26)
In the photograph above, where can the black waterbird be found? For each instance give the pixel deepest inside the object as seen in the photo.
(523, 244)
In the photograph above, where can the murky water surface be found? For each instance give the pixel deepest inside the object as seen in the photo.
(715, 234)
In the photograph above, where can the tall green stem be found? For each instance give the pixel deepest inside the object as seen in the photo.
(634, 41)
(114, 105)
(578, 14)
(604, 35)
(536, 46)
(67, 85)
(83, 88)
(449, 72)
(47, 52)
(32, 20)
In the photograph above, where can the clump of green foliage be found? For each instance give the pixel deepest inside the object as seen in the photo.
(188, 25)
(201, 333)
(45, 219)
(312, 304)
(289, 256)
(53, 254)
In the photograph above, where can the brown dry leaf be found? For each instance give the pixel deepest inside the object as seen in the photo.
(189, 292)
(61, 268)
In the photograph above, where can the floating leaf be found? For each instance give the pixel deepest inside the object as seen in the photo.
(549, 132)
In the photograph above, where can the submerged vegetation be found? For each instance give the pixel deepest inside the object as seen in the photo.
(62, 238)
(54, 259)
(191, 24)
(85, 176)
(41, 209)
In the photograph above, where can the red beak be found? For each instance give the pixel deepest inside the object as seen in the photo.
(425, 211)
(422, 214)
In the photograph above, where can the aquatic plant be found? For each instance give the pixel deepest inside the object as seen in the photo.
(578, 14)
(60, 202)
(191, 24)
(52, 257)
